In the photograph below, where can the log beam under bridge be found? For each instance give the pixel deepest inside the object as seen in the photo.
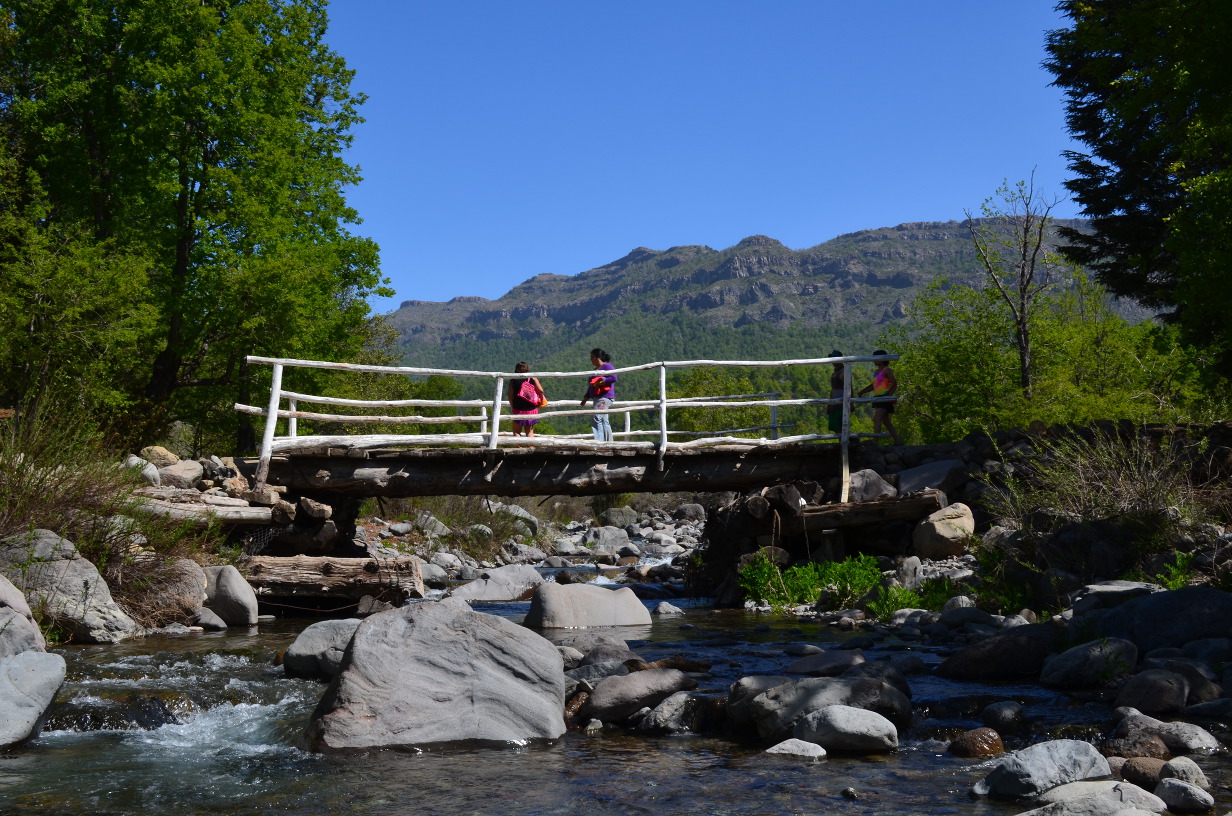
(530, 471)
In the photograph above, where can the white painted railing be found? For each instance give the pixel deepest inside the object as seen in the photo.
(487, 435)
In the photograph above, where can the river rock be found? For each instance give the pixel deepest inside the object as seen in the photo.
(1004, 717)
(867, 485)
(1181, 737)
(149, 473)
(1105, 797)
(944, 534)
(1182, 797)
(514, 582)
(797, 747)
(1041, 767)
(1089, 665)
(1171, 618)
(1142, 771)
(606, 539)
(575, 605)
(1010, 654)
(183, 474)
(848, 729)
(438, 672)
(946, 475)
(1186, 770)
(317, 652)
(690, 512)
(675, 715)
(28, 684)
(1154, 691)
(185, 587)
(230, 596)
(66, 586)
(158, 456)
(618, 517)
(776, 711)
(976, 743)
(209, 621)
(18, 630)
(826, 664)
(615, 698)
(740, 695)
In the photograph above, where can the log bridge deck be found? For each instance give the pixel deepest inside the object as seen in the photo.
(646, 459)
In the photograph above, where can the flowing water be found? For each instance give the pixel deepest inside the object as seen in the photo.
(207, 724)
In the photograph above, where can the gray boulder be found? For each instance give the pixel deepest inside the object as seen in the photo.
(1154, 691)
(1186, 770)
(28, 683)
(229, 596)
(1010, 654)
(1107, 797)
(149, 473)
(317, 652)
(944, 534)
(826, 664)
(848, 729)
(1090, 665)
(867, 485)
(690, 512)
(798, 748)
(183, 474)
(1180, 737)
(675, 715)
(514, 582)
(18, 630)
(568, 606)
(607, 539)
(1171, 618)
(740, 695)
(776, 711)
(617, 697)
(618, 517)
(1182, 797)
(438, 672)
(947, 475)
(74, 597)
(1041, 767)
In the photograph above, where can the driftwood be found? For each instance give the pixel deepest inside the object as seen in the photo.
(204, 513)
(912, 507)
(391, 579)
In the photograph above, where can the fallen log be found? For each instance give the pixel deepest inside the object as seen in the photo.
(390, 579)
(912, 507)
(204, 513)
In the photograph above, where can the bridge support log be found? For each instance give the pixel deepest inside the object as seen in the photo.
(302, 576)
(531, 472)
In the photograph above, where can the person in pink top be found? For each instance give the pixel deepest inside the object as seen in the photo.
(883, 385)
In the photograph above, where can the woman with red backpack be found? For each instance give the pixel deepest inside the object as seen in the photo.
(525, 399)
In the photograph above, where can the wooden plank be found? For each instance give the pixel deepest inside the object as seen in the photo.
(205, 513)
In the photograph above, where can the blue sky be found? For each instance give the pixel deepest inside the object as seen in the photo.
(506, 139)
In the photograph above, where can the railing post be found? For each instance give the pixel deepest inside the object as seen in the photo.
(774, 418)
(292, 422)
(628, 423)
(271, 423)
(662, 413)
(496, 409)
(845, 434)
(483, 426)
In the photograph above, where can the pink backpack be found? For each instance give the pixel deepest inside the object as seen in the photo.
(528, 392)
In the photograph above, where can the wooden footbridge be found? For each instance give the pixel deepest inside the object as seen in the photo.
(489, 461)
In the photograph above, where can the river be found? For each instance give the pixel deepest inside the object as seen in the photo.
(207, 724)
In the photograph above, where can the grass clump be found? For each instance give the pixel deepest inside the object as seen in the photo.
(833, 584)
(58, 473)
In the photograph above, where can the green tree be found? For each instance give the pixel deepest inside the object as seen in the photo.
(208, 138)
(710, 381)
(1012, 244)
(1146, 83)
(959, 369)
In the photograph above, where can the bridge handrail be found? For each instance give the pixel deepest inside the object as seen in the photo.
(274, 412)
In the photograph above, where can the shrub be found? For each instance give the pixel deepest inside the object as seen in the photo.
(843, 583)
(891, 599)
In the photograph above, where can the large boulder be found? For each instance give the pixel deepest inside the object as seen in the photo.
(867, 485)
(1043, 766)
(229, 596)
(1011, 654)
(618, 696)
(569, 606)
(67, 587)
(944, 534)
(848, 729)
(514, 582)
(776, 711)
(18, 630)
(28, 683)
(1172, 618)
(438, 672)
(947, 475)
(1089, 665)
(317, 652)
(183, 474)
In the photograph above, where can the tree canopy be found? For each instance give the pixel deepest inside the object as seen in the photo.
(196, 150)
(1148, 93)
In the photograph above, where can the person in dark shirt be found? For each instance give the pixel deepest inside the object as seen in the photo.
(601, 390)
(525, 396)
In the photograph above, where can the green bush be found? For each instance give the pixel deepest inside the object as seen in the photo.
(849, 580)
(840, 584)
(891, 599)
